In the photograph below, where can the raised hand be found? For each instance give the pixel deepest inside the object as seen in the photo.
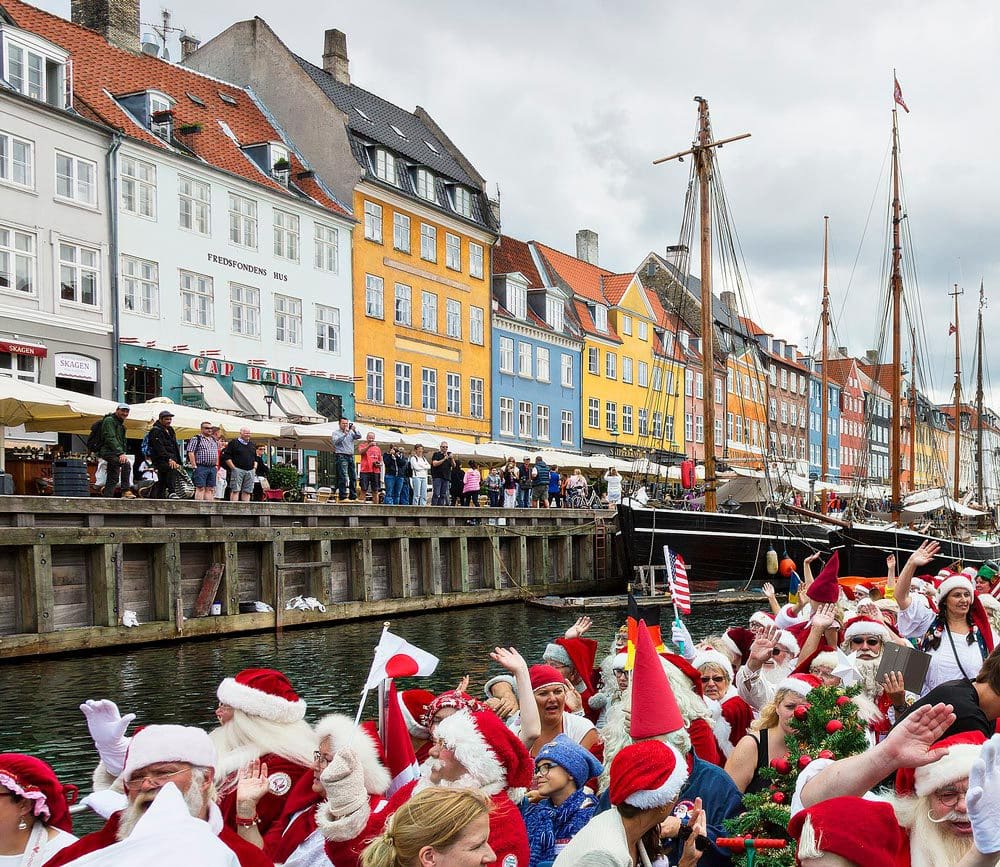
(251, 786)
(574, 701)
(107, 727)
(824, 616)
(909, 743)
(890, 563)
(763, 645)
(768, 589)
(509, 658)
(892, 684)
(463, 684)
(812, 558)
(697, 822)
(579, 628)
(924, 554)
(983, 798)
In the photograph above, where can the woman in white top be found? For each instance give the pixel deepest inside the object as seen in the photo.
(958, 636)
(614, 482)
(421, 467)
(34, 815)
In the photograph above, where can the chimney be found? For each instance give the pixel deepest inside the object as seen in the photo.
(116, 20)
(495, 209)
(871, 357)
(677, 255)
(842, 352)
(335, 59)
(586, 246)
(189, 45)
(729, 302)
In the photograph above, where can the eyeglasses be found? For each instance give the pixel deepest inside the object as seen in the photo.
(871, 641)
(777, 651)
(321, 759)
(714, 678)
(950, 797)
(542, 768)
(156, 780)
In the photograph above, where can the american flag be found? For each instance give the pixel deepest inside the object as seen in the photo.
(678, 577)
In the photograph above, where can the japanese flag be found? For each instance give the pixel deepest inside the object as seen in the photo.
(395, 657)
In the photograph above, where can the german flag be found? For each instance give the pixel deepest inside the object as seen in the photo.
(651, 615)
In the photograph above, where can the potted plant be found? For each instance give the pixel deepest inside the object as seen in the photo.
(285, 482)
(282, 165)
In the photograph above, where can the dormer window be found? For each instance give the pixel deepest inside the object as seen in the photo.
(160, 110)
(385, 166)
(461, 201)
(281, 168)
(554, 313)
(517, 299)
(34, 67)
(601, 317)
(424, 184)
(684, 337)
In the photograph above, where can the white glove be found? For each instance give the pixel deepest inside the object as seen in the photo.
(107, 727)
(680, 636)
(105, 803)
(983, 798)
(344, 782)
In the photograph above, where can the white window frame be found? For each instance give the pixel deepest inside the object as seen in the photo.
(384, 166)
(453, 318)
(79, 270)
(627, 369)
(404, 384)
(23, 83)
(507, 416)
(400, 232)
(428, 389)
(140, 280)
(286, 235)
(198, 288)
(428, 242)
(328, 329)
(566, 370)
(517, 300)
(643, 330)
(626, 324)
(374, 379)
(242, 221)
(18, 264)
(25, 166)
(506, 353)
(24, 368)
(452, 251)
(194, 205)
(425, 186)
(611, 416)
(477, 397)
(403, 304)
(326, 248)
(477, 325)
(555, 314)
(594, 413)
(81, 191)
(476, 260)
(373, 222)
(542, 363)
(524, 418)
(593, 361)
(461, 201)
(626, 419)
(643, 419)
(453, 393)
(137, 179)
(642, 379)
(610, 365)
(524, 355)
(601, 318)
(566, 426)
(429, 311)
(288, 320)
(542, 422)
(244, 306)
(374, 296)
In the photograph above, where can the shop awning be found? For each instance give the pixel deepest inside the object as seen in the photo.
(296, 407)
(250, 396)
(211, 392)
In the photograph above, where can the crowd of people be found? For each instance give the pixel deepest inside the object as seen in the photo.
(633, 757)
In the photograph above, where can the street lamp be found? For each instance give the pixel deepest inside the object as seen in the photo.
(269, 399)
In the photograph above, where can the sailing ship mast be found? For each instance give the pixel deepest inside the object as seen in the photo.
(958, 391)
(703, 157)
(980, 492)
(824, 369)
(913, 409)
(896, 287)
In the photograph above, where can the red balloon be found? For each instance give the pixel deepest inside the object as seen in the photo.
(804, 760)
(835, 725)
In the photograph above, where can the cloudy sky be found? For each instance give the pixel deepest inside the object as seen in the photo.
(564, 105)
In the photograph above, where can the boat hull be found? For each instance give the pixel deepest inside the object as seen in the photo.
(864, 550)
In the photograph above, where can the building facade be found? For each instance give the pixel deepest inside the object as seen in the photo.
(878, 426)
(815, 425)
(537, 346)
(56, 297)
(844, 372)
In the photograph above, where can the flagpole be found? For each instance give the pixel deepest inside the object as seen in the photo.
(365, 691)
(673, 595)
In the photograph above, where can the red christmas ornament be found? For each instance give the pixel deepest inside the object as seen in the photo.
(843, 700)
(782, 766)
(824, 754)
(835, 725)
(804, 760)
(801, 711)
(778, 797)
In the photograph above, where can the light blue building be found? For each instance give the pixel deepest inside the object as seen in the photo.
(815, 425)
(537, 351)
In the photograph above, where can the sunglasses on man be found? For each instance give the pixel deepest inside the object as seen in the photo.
(870, 641)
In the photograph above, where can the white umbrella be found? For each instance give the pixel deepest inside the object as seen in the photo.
(188, 420)
(317, 436)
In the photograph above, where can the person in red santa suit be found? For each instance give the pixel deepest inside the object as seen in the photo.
(414, 703)
(473, 749)
(158, 755)
(35, 822)
(261, 718)
(327, 816)
(731, 714)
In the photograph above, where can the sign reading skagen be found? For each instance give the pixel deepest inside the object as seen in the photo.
(246, 266)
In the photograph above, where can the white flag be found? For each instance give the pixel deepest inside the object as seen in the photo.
(395, 657)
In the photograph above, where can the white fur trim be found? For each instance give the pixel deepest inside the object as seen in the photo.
(620, 661)
(762, 618)
(989, 601)
(730, 645)
(828, 658)
(169, 743)
(949, 769)
(720, 725)
(667, 792)
(863, 627)
(787, 640)
(341, 828)
(460, 735)
(796, 685)
(713, 657)
(342, 731)
(557, 653)
(256, 703)
(954, 583)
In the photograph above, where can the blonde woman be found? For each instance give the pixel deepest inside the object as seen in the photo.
(437, 827)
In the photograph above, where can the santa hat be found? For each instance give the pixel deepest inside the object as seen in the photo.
(168, 743)
(825, 587)
(802, 684)
(954, 582)
(491, 753)
(865, 626)
(787, 641)
(413, 705)
(450, 699)
(619, 662)
(713, 657)
(577, 761)
(32, 779)
(858, 830)
(739, 639)
(263, 692)
(762, 618)
(654, 708)
(647, 775)
(364, 743)
(578, 652)
(970, 571)
(963, 750)
(826, 659)
(543, 676)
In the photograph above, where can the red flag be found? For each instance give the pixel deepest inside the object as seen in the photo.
(951, 329)
(897, 94)
(400, 759)
(678, 576)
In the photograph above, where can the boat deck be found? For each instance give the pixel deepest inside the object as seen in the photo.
(566, 603)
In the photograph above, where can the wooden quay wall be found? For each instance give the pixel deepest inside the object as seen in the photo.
(69, 568)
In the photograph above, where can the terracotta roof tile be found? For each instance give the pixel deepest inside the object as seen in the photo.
(102, 71)
(511, 255)
(587, 322)
(582, 277)
(614, 287)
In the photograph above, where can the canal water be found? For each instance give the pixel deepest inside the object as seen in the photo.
(327, 665)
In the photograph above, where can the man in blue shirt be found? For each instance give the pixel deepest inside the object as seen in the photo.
(343, 453)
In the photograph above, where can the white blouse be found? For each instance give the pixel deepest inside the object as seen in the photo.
(914, 621)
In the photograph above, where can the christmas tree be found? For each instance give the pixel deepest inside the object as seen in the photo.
(826, 726)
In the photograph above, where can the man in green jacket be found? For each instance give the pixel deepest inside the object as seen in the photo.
(112, 450)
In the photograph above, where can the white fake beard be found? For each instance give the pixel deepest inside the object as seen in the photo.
(466, 781)
(931, 844)
(866, 670)
(193, 798)
(245, 738)
(776, 673)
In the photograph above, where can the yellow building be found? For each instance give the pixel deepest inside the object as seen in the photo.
(421, 314)
(632, 375)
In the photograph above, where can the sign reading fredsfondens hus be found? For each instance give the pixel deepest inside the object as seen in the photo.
(247, 267)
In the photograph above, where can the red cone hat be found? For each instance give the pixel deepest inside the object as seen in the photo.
(654, 708)
(825, 587)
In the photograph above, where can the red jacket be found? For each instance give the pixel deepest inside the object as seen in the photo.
(283, 775)
(248, 854)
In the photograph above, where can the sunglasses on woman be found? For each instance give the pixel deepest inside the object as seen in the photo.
(713, 678)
